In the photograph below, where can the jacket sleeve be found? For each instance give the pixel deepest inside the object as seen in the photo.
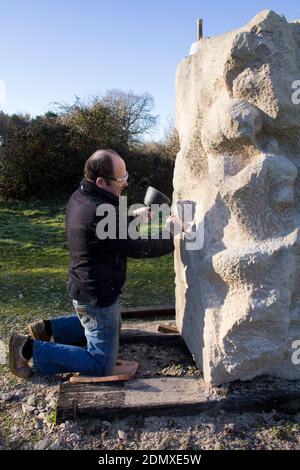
(143, 248)
(140, 247)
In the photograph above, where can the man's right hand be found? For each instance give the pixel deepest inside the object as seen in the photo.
(174, 225)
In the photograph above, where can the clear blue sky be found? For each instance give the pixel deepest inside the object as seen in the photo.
(52, 50)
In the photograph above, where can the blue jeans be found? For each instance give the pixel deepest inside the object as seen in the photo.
(99, 326)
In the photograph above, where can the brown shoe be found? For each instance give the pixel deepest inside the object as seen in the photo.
(17, 363)
(38, 331)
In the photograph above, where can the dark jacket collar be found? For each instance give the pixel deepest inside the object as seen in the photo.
(91, 189)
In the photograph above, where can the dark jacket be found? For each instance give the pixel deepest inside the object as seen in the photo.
(98, 267)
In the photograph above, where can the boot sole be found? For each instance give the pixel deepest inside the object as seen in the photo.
(10, 361)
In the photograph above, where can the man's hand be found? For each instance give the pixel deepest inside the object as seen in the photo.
(175, 225)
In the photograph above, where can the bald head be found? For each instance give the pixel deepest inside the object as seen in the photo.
(107, 170)
(101, 164)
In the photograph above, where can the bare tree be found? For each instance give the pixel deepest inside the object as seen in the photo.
(117, 112)
(133, 112)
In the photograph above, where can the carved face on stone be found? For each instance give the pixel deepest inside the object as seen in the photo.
(230, 127)
(251, 109)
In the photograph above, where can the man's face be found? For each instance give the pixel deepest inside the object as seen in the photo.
(119, 173)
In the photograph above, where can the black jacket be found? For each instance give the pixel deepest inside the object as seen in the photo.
(98, 267)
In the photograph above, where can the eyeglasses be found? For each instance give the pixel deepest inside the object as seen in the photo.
(120, 180)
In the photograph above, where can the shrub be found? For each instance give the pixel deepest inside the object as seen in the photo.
(41, 159)
(46, 155)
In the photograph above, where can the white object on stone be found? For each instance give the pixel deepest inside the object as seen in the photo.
(237, 293)
(194, 48)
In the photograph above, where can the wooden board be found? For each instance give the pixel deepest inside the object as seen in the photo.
(124, 370)
(141, 334)
(175, 396)
(168, 328)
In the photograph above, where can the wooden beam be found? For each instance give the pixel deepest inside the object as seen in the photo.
(147, 337)
(168, 328)
(140, 335)
(165, 396)
(148, 311)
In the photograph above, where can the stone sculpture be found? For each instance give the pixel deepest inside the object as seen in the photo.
(238, 290)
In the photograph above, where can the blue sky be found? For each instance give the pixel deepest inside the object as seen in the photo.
(52, 50)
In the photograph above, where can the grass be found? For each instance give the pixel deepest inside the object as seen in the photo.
(34, 262)
(285, 431)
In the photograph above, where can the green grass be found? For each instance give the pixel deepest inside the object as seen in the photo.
(34, 262)
(285, 431)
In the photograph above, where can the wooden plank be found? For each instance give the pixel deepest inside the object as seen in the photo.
(122, 399)
(124, 370)
(140, 336)
(132, 336)
(168, 328)
(148, 311)
(175, 396)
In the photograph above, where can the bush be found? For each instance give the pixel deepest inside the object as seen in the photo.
(148, 170)
(46, 155)
(42, 159)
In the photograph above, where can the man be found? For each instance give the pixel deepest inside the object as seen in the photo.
(97, 274)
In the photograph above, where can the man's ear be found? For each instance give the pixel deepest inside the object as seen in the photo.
(99, 182)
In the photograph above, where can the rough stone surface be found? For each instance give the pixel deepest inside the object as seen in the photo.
(237, 285)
